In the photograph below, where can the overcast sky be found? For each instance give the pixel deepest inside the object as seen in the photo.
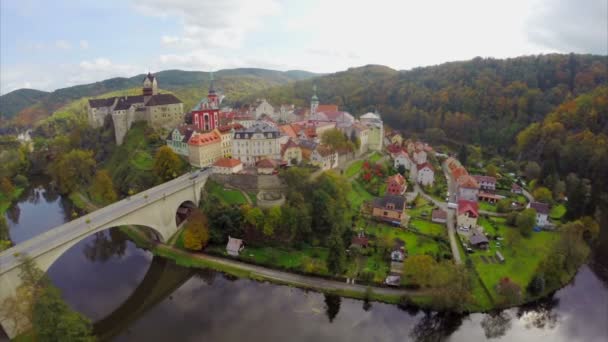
(53, 44)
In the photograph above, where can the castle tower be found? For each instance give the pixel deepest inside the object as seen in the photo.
(314, 101)
(150, 87)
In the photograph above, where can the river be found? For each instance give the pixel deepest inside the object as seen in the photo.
(133, 296)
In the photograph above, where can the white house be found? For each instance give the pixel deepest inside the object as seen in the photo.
(402, 158)
(542, 212)
(425, 175)
(324, 158)
(234, 246)
(227, 166)
(419, 157)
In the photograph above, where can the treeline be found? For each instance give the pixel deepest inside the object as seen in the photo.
(316, 213)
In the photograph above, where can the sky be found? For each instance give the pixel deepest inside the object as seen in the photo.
(54, 44)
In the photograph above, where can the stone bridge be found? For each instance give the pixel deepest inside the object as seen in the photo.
(154, 208)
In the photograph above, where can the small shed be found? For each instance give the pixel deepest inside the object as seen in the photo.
(439, 216)
(479, 240)
(234, 246)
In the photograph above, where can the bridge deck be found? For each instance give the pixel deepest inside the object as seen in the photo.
(76, 228)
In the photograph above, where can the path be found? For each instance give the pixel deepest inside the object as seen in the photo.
(295, 279)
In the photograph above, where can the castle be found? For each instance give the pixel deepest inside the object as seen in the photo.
(159, 110)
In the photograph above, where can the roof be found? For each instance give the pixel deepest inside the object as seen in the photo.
(477, 238)
(125, 102)
(327, 108)
(370, 115)
(288, 130)
(290, 144)
(398, 201)
(185, 130)
(265, 164)
(259, 126)
(397, 178)
(485, 179)
(467, 181)
(459, 172)
(468, 206)
(149, 76)
(425, 165)
(439, 214)
(515, 186)
(452, 163)
(234, 244)
(393, 148)
(202, 139)
(97, 103)
(227, 162)
(541, 208)
(162, 99)
(229, 127)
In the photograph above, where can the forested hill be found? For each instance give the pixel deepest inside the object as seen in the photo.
(27, 106)
(485, 101)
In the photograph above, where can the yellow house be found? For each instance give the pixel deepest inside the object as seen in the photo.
(291, 152)
(204, 149)
(389, 208)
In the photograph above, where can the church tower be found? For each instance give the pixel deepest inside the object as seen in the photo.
(205, 116)
(314, 101)
(150, 87)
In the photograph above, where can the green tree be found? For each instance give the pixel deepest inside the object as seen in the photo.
(272, 220)
(336, 258)
(543, 195)
(503, 205)
(463, 154)
(492, 170)
(253, 216)
(335, 139)
(418, 269)
(7, 187)
(167, 164)
(526, 220)
(4, 233)
(536, 285)
(102, 189)
(196, 233)
(73, 170)
(532, 170)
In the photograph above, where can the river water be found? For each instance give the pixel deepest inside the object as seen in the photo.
(133, 296)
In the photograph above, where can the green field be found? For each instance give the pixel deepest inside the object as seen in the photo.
(353, 169)
(521, 261)
(375, 157)
(487, 206)
(427, 227)
(414, 243)
(358, 195)
(226, 195)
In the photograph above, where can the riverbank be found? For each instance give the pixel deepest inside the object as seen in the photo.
(7, 200)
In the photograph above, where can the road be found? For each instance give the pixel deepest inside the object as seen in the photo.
(77, 228)
(296, 279)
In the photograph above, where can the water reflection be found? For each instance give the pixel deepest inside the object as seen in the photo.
(105, 246)
(436, 326)
(496, 324)
(332, 306)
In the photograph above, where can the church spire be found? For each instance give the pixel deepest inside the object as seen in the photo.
(314, 101)
(211, 83)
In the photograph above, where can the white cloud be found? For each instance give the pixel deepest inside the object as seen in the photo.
(210, 22)
(84, 44)
(63, 44)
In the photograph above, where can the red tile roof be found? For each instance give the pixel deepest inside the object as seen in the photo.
(439, 214)
(470, 206)
(288, 130)
(290, 143)
(227, 162)
(205, 139)
(393, 148)
(459, 172)
(467, 181)
(265, 164)
(423, 165)
(398, 178)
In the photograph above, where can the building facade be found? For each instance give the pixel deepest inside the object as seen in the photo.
(178, 138)
(425, 175)
(158, 110)
(204, 149)
(206, 114)
(259, 141)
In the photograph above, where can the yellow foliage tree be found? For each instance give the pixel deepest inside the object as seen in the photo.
(196, 234)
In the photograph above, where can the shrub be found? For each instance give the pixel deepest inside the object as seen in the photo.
(21, 181)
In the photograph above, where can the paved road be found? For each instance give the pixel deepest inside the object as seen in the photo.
(82, 226)
(297, 279)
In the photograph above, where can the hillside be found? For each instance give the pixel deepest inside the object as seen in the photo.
(25, 106)
(484, 101)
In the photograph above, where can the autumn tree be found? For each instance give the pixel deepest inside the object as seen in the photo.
(526, 220)
(532, 170)
(102, 189)
(509, 291)
(337, 140)
(196, 234)
(167, 164)
(272, 220)
(6, 187)
(492, 170)
(73, 170)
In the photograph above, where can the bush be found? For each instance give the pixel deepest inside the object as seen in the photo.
(21, 181)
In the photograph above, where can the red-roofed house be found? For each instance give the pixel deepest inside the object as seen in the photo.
(205, 148)
(266, 166)
(425, 174)
(402, 158)
(324, 157)
(227, 166)
(468, 212)
(289, 131)
(393, 148)
(396, 185)
(468, 188)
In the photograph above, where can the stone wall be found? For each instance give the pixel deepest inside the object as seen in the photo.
(248, 182)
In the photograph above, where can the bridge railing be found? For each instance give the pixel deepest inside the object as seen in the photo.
(69, 230)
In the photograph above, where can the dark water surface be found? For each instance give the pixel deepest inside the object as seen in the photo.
(135, 297)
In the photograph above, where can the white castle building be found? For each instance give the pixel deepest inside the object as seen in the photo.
(159, 110)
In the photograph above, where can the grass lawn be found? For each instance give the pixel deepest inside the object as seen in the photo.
(378, 266)
(227, 196)
(253, 197)
(557, 212)
(422, 206)
(414, 243)
(353, 169)
(487, 206)
(142, 160)
(428, 227)
(358, 195)
(521, 261)
(375, 157)
(283, 258)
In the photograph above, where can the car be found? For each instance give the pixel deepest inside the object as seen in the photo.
(470, 250)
